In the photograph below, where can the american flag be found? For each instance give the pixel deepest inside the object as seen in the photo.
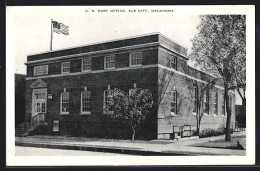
(60, 28)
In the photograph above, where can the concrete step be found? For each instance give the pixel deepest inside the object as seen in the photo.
(20, 130)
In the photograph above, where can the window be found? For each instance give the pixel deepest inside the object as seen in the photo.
(134, 88)
(195, 100)
(174, 63)
(86, 64)
(40, 96)
(223, 105)
(109, 62)
(215, 103)
(65, 67)
(41, 70)
(135, 58)
(65, 97)
(40, 103)
(107, 93)
(56, 125)
(85, 102)
(173, 99)
(206, 102)
(40, 107)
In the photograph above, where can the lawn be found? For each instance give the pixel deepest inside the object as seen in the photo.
(221, 143)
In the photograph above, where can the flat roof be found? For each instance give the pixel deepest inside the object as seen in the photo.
(107, 41)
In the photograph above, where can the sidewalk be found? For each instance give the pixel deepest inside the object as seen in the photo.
(154, 147)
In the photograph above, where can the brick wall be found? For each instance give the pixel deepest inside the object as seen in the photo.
(95, 124)
(160, 81)
(149, 56)
(184, 88)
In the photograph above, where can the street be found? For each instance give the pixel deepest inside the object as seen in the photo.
(33, 151)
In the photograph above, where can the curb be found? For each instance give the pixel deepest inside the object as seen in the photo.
(130, 151)
(118, 150)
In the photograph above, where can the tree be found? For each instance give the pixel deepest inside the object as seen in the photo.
(202, 91)
(219, 48)
(240, 78)
(132, 107)
(184, 99)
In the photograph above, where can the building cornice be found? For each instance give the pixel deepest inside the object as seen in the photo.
(89, 72)
(167, 48)
(186, 75)
(123, 69)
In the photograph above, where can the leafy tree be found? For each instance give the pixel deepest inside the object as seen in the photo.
(219, 48)
(185, 99)
(132, 107)
(202, 93)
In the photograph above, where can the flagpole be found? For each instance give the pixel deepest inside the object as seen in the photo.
(51, 35)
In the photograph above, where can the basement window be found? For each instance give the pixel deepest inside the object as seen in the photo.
(56, 125)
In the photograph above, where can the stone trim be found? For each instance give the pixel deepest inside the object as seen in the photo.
(97, 71)
(126, 68)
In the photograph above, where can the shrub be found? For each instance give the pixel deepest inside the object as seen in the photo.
(208, 132)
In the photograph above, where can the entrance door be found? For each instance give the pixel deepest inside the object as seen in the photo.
(39, 101)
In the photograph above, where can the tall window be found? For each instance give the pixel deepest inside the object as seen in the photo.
(206, 102)
(109, 62)
(195, 100)
(64, 103)
(215, 102)
(86, 64)
(65, 67)
(41, 70)
(85, 102)
(107, 93)
(223, 105)
(174, 63)
(173, 99)
(135, 58)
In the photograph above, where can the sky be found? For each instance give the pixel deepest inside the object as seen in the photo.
(32, 33)
(32, 30)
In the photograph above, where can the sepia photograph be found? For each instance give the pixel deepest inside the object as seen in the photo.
(130, 85)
